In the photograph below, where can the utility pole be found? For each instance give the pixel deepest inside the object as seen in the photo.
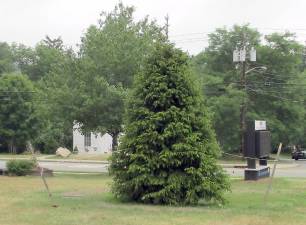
(240, 56)
(243, 107)
(304, 56)
(167, 26)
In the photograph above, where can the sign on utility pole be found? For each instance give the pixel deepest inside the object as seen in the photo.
(253, 55)
(241, 55)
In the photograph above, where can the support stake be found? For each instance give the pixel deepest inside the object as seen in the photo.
(45, 182)
(273, 172)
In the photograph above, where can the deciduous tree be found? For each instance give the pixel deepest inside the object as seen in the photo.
(17, 111)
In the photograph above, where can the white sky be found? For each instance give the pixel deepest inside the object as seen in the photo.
(28, 21)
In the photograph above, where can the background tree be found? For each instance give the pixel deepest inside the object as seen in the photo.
(17, 111)
(38, 62)
(118, 46)
(56, 107)
(168, 154)
(270, 96)
(6, 58)
(76, 95)
(90, 89)
(103, 101)
(215, 67)
(277, 94)
(111, 54)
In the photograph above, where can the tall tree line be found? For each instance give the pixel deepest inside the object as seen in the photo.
(90, 86)
(276, 94)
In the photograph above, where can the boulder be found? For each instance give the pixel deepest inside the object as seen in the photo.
(63, 152)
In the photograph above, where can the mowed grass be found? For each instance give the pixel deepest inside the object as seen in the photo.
(86, 200)
(15, 156)
(22, 156)
(97, 157)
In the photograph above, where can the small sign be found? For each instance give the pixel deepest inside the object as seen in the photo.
(253, 55)
(242, 55)
(236, 56)
(260, 125)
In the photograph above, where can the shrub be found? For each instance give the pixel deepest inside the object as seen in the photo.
(20, 167)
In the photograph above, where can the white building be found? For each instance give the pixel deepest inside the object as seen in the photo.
(91, 143)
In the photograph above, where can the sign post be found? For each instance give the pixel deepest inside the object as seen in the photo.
(257, 146)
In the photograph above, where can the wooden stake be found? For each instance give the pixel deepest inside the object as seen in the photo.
(45, 182)
(273, 172)
(41, 169)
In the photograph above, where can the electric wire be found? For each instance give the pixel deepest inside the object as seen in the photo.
(275, 96)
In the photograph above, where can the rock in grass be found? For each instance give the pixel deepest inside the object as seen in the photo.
(63, 152)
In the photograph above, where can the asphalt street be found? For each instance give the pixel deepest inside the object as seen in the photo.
(69, 166)
(289, 169)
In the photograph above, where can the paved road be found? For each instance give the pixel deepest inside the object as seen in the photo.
(297, 172)
(70, 166)
(290, 169)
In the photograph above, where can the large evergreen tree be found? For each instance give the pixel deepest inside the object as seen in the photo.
(168, 153)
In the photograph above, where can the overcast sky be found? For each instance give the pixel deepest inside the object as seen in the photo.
(28, 21)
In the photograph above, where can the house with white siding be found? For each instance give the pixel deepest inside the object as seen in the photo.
(91, 143)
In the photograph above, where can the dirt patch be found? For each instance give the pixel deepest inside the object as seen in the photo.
(73, 194)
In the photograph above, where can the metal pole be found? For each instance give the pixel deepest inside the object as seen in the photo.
(167, 26)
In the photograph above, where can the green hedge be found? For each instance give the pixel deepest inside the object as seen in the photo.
(20, 167)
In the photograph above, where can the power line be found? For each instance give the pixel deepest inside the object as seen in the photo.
(190, 34)
(266, 83)
(194, 36)
(18, 91)
(191, 40)
(205, 32)
(274, 96)
(275, 75)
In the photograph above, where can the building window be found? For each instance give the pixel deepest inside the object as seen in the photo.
(87, 139)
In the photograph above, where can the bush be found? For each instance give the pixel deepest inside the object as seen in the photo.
(20, 167)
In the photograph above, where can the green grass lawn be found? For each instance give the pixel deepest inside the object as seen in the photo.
(15, 156)
(97, 157)
(86, 200)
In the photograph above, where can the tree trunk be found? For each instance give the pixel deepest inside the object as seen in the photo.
(12, 147)
(115, 141)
